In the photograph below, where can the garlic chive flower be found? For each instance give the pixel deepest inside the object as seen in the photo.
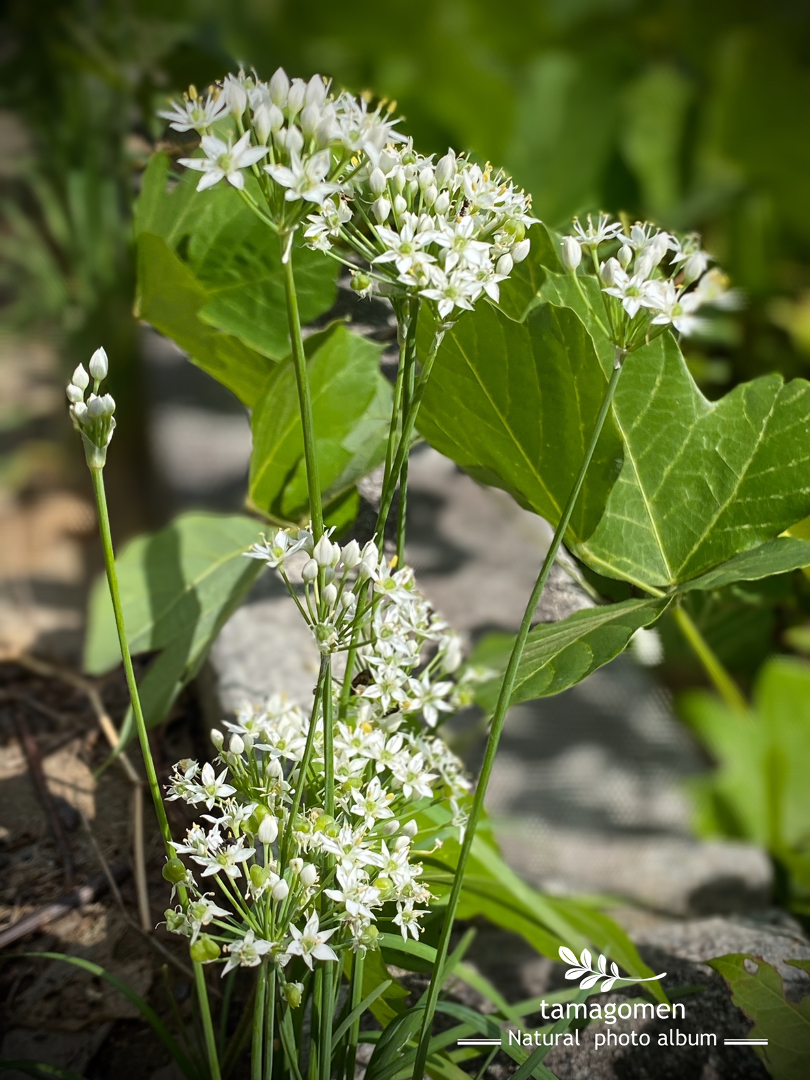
(649, 279)
(311, 883)
(92, 414)
(447, 231)
(224, 161)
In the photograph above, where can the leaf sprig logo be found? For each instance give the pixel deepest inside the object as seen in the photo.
(580, 968)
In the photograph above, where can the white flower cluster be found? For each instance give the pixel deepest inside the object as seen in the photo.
(649, 280)
(298, 881)
(307, 140)
(92, 416)
(448, 231)
(352, 596)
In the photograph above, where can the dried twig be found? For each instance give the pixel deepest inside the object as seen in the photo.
(85, 894)
(34, 759)
(52, 671)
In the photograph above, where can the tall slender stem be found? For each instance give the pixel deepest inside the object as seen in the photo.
(356, 998)
(496, 728)
(258, 1025)
(97, 476)
(408, 424)
(328, 749)
(723, 682)
(270, 1024)
(302, 382)
(407, 397)
(132, 685)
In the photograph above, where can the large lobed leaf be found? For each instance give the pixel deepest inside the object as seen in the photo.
(515, 405)
(351, 406)
(210, 277)
(785, 1024)
(178, 587)
(702, 481)
(559, 655)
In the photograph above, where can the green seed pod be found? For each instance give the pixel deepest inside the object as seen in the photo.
(204, 950)
(174, 871)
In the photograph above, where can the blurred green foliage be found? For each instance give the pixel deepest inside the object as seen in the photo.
(691, 113)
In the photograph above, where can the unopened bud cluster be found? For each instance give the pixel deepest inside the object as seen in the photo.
(92, 413)
(649, 278)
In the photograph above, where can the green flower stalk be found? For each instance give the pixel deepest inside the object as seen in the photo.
(94, 420)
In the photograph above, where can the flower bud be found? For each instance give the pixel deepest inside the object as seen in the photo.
(571, 253)
(308, 875)
(504, 265)
(381, 208)
(98, 365)
(204, 950)
(521, 250)
(625, 256)
(296, 865)
(294, 141)
(280, 890)
(274, 769)
(309, 120)
(694, 266)
(74, 393)
(322, 553)
(377, 181)
(268, 830)
(80, 377)
(347, 599)
(398, 180)
(401, 842)
(412, 188)
(236, 744)
(217, 738)
(400, 206)
(390, 827)
(294, 993)
(261, 122)
(80, 411)
(425, 178)
(431, 194)
(316, 91)
(410, 828)
(309, 571)
(174, 871)
(279, 88)
(295, 97)
(235, 94)
(607, 272)
(442, 204)
(330, 595)
(350, 555)
(446, 169)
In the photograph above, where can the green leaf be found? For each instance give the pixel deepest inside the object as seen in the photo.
(701, 481)
(515, 405)
(170, 298)
(759, 791)
(178, 587)
(785, 1024)
(351, 406)
(655, 111)
(358, 1011)
(233, 286)
(386, 1005)
(559, 655)
(776, 557)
